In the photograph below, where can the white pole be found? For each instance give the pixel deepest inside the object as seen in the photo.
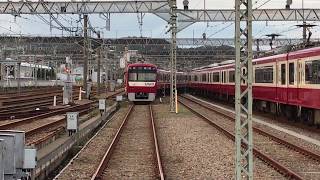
(80, 91)
(54, 101)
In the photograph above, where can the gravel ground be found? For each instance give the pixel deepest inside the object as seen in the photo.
(300, 129)
(192, 149)
(38, 123)
(133, 156)
(88, 160)
(306, 167)
(49, 130)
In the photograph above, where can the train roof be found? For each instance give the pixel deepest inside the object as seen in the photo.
(142, 64)
(279, 57)
(167, 71)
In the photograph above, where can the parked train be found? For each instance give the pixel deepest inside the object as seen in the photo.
(141, 82)
(287, 84)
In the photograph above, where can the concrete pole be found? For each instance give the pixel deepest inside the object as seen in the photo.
(19, 77)
(45, 74)
(85, 52)
(106, 68)
(98, 68)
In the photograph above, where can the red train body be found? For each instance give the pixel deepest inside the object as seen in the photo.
(287, 83)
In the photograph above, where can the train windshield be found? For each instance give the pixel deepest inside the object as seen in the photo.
(142, 74)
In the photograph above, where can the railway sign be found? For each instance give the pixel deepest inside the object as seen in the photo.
(119, 98)
(72, 122)
(102, 104)
(122, 63)
(30, 158)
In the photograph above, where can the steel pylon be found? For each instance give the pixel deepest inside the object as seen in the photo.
(243, 95)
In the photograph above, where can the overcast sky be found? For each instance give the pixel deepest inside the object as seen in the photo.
(127, 25)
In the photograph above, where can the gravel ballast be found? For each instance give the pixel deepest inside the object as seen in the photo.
(192, 149)
(83, 166)
(133, 156)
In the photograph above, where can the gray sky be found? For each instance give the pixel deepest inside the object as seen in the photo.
(127, 25)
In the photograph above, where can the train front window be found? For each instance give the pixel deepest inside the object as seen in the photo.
(142, 74)
(312, 72)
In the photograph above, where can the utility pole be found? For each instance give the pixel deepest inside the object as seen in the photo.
(107, 68)
(98, 55)
(173, 57)
(19, 77)
(243, 97)
(85, 52)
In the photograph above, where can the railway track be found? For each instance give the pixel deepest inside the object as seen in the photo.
(27, 109)
(39, 130)
(41, 133)
(289, 159)
(134, 151)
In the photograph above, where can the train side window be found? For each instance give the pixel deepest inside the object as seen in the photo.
(312, 72)
(231, 76)
(204, 76)
(264, 74)
(283, 74)
(291, 73)
(222, 76)
(215, 77)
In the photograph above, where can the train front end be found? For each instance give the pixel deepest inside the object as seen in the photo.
(141, 82)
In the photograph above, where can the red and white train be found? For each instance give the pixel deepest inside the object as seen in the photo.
(141, 82)
(287, 84)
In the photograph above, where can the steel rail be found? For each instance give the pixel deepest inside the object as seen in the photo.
(52, 113)
(59, 127)
(278, 166)
(289, 145)
(41, 116)
(155, 140)
(58, 122)
(104, 161)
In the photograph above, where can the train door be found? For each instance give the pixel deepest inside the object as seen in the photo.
(282, 79)
(292, 82)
